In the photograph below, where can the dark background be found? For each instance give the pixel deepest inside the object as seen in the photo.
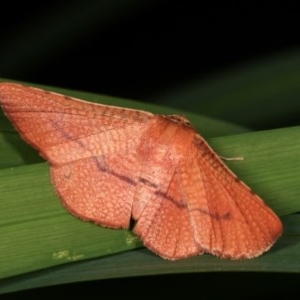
(137, 50)
(204, 286)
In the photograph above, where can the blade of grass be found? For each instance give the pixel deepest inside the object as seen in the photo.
(38, 233)
(30, 217)
(141, 262)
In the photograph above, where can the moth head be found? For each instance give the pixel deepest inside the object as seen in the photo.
(180, 120)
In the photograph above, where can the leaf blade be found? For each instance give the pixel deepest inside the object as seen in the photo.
(141, 262)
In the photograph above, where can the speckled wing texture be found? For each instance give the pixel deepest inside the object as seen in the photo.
(111, 165)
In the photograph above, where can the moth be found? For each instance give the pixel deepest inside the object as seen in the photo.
(111, 165)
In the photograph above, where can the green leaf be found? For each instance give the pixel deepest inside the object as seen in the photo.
(284, 257)
(38, 233)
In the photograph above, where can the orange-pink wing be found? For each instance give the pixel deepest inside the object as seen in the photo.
(91, 149)
(228, 218)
